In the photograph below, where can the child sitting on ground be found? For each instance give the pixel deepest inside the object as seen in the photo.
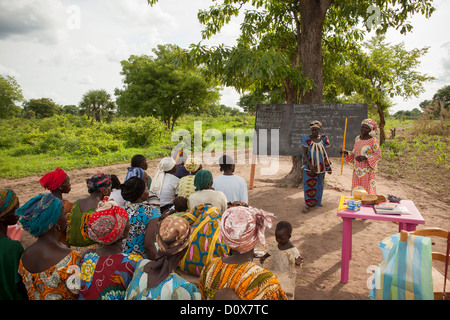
(284, 258)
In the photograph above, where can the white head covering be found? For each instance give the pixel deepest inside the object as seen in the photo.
(166, 164)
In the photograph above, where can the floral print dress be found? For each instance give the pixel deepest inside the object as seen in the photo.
(364, 177)
(106, 278)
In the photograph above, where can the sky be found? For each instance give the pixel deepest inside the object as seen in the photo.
(61, 49)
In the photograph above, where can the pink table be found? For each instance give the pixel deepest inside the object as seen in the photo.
(406, 222)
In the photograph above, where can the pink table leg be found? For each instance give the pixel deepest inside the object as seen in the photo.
(407, 227)
(346, 248)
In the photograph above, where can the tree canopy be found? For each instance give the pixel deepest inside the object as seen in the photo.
(97, 104)
(160, 87)
(10, 94)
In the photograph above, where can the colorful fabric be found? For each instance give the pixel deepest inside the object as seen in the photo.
(186, 186)
(40, 213)
(248, 280)
(173, 287)
(52, 284)
(364, 176)
(135, 172)
(77, 223)
(53, 179)
(106, 278)
(10, 279)
(202, 179)
(405, 272)
(242, 228)
(315, 124)
(99, 182)
(172, 236)
(8, 201)
(371, 123)
(313, 184)
(166, 164)
(206, 241)
(139, 215)
(192, 165)
(107, 223)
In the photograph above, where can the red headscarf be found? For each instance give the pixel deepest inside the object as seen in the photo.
(53, 179)
(107, 223)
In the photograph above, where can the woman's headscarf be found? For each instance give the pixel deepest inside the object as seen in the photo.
(242, 228)
(107, 223)
(315, 124)
(166, 164)
(40, 213)
(173, 236)
(373, 125)
(99, 182)
(53, 179)
(132, 189)
(202, 179)
(8, 200)
(191, 165)
(135, 172)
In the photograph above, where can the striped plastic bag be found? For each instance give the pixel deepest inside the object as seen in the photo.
(405, 272)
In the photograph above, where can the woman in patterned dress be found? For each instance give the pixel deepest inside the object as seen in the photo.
(242, 228)
(47, 266)
(315, 164)
(364, 157)
(106, 272)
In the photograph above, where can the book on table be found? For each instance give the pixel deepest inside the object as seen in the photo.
(390, 208)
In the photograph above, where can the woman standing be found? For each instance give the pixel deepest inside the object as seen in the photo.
(315, 164)
(364, 157)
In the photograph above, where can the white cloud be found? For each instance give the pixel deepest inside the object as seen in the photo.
(38, 20)
(86, 80)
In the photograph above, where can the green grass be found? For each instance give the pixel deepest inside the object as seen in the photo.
(33, 146)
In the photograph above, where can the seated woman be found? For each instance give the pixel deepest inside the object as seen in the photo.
(99, 186)
(107, 271)
(242, 228)
(165, 184)
(186, 184)
(143, 219)
(204, 193)
(205, 241)
(234, 186)
(11, 285)
(138, 167)
(47, 264)
(157, 280)
(58, 182)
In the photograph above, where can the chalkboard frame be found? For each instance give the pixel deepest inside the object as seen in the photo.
(286, 123)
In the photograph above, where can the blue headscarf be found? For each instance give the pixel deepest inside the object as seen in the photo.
(135, 172)
(40, 213)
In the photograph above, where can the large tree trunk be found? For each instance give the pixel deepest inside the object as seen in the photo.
(309, 43)
(382, 122)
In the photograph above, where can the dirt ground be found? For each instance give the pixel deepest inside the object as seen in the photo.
(317, 234)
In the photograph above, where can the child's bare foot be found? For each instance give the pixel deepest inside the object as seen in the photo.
(306, 209)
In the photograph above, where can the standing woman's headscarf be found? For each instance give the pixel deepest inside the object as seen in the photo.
(373, 125)
(166, 164)
(242, 228)
(202, 179)
(173, 236)
(8, 201)
(40, 213)
(53, 179)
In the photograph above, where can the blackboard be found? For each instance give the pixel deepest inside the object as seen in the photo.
(291, 121)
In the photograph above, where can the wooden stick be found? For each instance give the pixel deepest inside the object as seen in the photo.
(252, 172)
(343, 146)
